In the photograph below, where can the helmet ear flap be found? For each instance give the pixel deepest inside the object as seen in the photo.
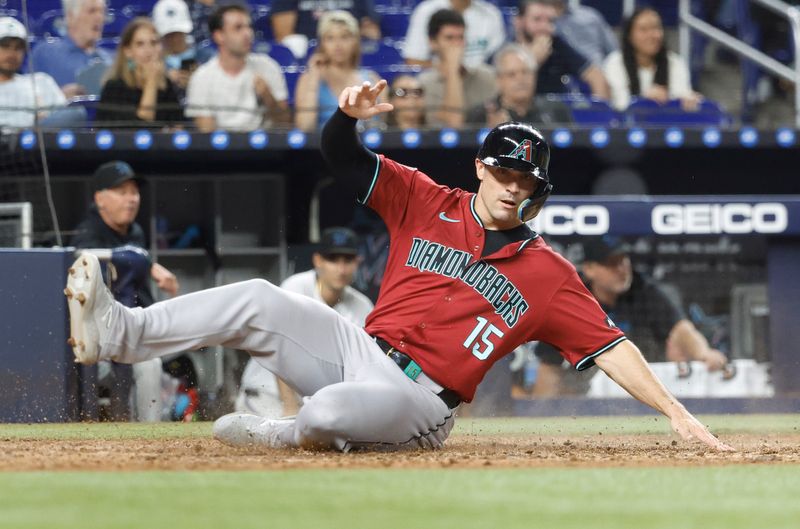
(530, 207)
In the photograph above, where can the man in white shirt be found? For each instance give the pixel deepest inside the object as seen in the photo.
(451, 87)
(236, 90)
(24, 98)
(485, 31)
(335, 265)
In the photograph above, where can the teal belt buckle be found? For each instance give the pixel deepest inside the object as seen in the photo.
(413, 370)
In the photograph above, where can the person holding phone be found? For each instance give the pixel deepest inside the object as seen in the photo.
(181, 56)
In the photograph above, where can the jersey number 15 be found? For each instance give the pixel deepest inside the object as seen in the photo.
(489, 331)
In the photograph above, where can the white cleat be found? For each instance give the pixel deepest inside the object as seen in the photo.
(90, 305)
(245, 429)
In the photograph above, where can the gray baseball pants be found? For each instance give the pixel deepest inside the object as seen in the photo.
(355, 395)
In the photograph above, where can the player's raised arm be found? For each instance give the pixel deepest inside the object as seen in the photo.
(626, 366)
(352, 163)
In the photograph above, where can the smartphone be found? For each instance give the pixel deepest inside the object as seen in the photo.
(188, 64)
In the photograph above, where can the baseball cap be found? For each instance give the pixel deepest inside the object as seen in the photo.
(338, 241)
(12, 28)
(599, 249)
(172, 16)
(112, 174)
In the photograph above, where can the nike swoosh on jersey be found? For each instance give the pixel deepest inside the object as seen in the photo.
(444, 217)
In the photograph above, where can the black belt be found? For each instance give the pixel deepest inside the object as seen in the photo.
(412, 370)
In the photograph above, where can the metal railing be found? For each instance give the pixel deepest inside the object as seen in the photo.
(689, 22)
(23, 210)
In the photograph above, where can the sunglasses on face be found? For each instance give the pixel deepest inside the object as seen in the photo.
(408, 92)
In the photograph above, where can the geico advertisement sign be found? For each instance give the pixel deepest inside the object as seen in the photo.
(676, 219)
(568, 220)
(668, 219)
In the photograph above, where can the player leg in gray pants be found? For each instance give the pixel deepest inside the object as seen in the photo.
(355, 394)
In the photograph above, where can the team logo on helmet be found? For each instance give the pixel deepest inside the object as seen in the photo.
(523, 151)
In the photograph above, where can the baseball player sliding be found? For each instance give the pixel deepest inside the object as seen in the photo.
(466, 282)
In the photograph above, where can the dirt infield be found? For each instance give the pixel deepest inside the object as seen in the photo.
(462, 451)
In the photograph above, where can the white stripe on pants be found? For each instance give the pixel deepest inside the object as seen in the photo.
(356, 394)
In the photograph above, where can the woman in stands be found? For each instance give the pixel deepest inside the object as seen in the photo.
(137, 89)
(644, 67)
(408, 98)
(332, 67)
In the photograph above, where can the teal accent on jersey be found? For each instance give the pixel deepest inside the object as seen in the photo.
(374, 180)
(475, 213)
(588, 361)
(412, 370)
(524, 244)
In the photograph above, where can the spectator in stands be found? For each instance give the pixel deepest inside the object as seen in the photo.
(485, 31)
(72, 59)
(201, 10)
(585, 29)
(332, 67)
(236, 90)
(181, 56)
(137, 88)
(26, 99)
(516, 99)
(645, 68)
(554, 58)
(111, 223)
(294, 22)
(408, 98)
(335, 263)
(639, 306)
(451, 87)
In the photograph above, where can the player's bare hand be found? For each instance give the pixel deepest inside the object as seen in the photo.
(657, 93)
(715, 360)
(541, 48)
(690, 429)
(451, 58)
(361, 101)
(495, 114)
(165, 279)
(691, 103)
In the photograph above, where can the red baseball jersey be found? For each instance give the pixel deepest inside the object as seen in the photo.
(456, 313)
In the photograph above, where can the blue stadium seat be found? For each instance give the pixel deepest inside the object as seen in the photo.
(138, 10)
(279, 52)
(394, 22)
(610, 9)
(116, 20)
(50, 24)
(576, 85)
(89, 103)
(291, 75)
(649, 112)
(390, 71)
(668, 9)
(261, 22)
(588, 110)
(376, 53)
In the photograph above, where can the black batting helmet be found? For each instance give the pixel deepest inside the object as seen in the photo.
(520, 147)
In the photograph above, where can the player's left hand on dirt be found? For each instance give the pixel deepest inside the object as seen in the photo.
(361, 101)
(690, 429)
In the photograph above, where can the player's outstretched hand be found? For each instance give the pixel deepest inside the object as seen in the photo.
(689, 428)
(361, 101)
